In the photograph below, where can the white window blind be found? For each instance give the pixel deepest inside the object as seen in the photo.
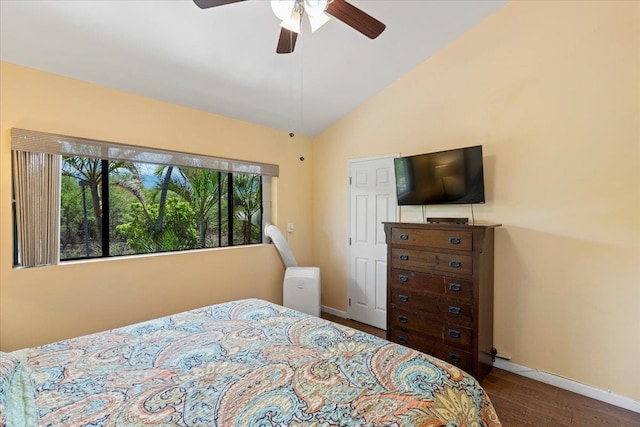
(36, 186)
(42, 142)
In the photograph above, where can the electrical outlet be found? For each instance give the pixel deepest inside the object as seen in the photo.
(290, 227)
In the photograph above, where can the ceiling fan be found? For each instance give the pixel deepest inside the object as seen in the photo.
(292, 11)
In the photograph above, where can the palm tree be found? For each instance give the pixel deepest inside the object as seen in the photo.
(164, 189)
(89, 172)
(247, 203)
(198, 187)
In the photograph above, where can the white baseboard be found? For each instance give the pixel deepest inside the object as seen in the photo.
(571, 385)
(547, 378)
(339, 313)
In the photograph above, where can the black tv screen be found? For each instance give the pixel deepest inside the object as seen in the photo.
(441, 178)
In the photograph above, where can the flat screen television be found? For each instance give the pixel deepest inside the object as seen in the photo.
(441, 178)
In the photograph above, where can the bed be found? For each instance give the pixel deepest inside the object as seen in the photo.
(241, 363)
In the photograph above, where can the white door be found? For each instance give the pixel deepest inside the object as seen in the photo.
(372, 200)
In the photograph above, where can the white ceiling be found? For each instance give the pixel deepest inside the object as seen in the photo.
(223, 59)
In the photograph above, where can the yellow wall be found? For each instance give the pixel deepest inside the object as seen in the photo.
(45, 304)
(551, 90)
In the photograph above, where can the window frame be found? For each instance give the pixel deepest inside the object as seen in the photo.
(105, 238)
(41, 142)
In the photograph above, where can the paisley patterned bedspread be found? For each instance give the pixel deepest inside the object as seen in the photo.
(247, 363)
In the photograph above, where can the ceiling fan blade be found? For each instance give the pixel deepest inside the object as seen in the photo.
(355, 18)
(287, 41)
(206, 4)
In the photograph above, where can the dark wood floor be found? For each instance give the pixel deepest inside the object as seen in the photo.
(520, 401)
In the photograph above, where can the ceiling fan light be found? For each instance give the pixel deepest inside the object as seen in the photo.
(291, 25)
(318, 21)
(293, 22)
(315, 7)
(283, 8)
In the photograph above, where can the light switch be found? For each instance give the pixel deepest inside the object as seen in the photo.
(290, 227)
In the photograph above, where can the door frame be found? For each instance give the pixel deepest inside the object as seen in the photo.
(349, 163)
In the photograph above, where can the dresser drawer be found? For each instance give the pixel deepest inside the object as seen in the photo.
(442, 285)
(444, 332)
(441, 239)
(438, 261)
(455, 356)
(445, 308)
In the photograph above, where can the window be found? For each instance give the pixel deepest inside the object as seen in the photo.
(115, 205)
(111, 208)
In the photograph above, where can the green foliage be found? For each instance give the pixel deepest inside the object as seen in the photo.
(199, 188)
(88, 171)
(178, 233)
(83, 176)
(185, 208)
(72, 221)
(120, 201)
(247, 201)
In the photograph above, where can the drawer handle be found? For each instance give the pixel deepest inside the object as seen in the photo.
(455, 240)
(402, 340)
(454, 357)
(403, 319)
(404, 237)
(455, 287)
(404, 278)
(454, 310)
(454, 334)
(404, 257)
(403, 298)
(455, 264)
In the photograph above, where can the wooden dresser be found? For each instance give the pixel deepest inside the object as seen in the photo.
(440, 291)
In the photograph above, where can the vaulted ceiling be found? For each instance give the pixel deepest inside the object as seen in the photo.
(223, 59)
